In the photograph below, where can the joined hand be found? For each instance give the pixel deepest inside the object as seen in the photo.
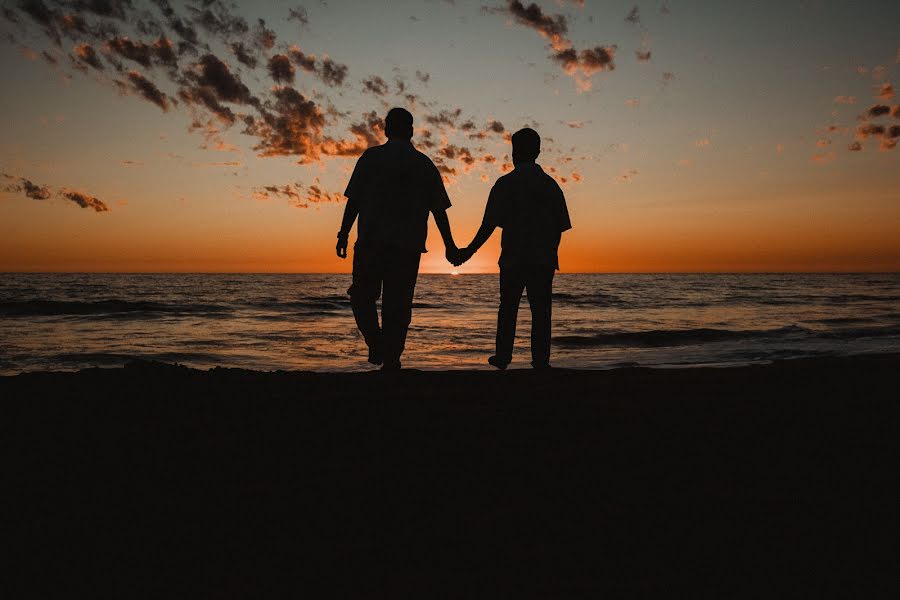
(459, 256)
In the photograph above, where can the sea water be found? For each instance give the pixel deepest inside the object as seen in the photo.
(304, 321)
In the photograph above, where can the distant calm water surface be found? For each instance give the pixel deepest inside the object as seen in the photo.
(71, 321)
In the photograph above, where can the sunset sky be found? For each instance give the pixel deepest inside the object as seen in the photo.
(148, 135)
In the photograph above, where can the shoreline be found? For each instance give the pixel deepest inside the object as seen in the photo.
(231, 483)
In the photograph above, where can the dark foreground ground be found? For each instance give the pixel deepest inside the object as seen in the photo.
(771, 481)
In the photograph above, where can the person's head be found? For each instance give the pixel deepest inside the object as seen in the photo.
(526, 145)
(398, 124)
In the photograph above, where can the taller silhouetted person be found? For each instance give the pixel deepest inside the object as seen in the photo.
(393, 189)
(531, 209)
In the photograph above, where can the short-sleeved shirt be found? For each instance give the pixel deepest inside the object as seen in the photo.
(531, 208)
(395, 187)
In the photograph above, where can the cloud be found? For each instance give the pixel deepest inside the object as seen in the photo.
(703, 143)
(298, 14)
(822, 159)
(243, 54)
(554, 28)
(444, 118)
(627, 177)
(148, 90)
(633, 102)
(86, 54)
(213, 73)
(642, 56)
(280, 69)
(890, 138)
(216, 19)
(423, 76)
(295, 195)
(210, 82)
(307, 62)
(27, 187)
(845, 99)
(879, 110)
(885, 91)
(160, 52)
(588, 61)
(330, 72)
(42, 15)
(866, 130)
(263, 36)
(333, 73)
(375, 85)
(855, 147)
(84, 200)
(291, 126)
(574, 124)
(453, 152)
(634, 16)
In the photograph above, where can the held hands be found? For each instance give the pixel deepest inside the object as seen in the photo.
(457, 256)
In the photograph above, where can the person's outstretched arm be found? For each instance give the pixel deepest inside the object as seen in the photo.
(350, 213)
(484, 233)
(489, 223)
(443, 225)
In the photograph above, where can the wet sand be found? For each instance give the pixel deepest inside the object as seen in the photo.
(778, 480)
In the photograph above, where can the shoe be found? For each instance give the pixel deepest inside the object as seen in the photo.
(498, 363)
(391, 366)
(541, 367)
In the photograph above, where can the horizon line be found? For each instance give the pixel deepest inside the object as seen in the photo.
(449, 274)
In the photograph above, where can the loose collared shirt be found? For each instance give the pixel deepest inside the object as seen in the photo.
(395, 187)
(531, 209)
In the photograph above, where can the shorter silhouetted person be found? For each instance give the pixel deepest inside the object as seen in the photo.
(531, 209)
(393, 189)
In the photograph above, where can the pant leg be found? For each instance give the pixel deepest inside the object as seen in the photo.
(540, 298)
(400, 274)
(365, 291)
(512, 282)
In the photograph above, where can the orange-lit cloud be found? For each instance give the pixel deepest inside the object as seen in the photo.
(581, 64)
(84, 200)
(885, 91)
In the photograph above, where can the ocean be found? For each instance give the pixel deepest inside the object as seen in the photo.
(303, 321)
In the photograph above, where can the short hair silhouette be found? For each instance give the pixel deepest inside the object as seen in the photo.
(526, 144)
(398, 124)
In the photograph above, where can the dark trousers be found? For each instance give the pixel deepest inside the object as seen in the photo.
(391, 273)
(537, 281)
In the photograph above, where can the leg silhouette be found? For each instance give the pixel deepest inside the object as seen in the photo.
(364, 293)
(540, 298)
(400, 276)
(512, 283)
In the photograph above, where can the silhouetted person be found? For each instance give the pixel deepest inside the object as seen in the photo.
(393, 189)
(530, 208)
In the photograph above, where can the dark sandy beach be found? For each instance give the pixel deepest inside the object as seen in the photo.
(777, 480)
